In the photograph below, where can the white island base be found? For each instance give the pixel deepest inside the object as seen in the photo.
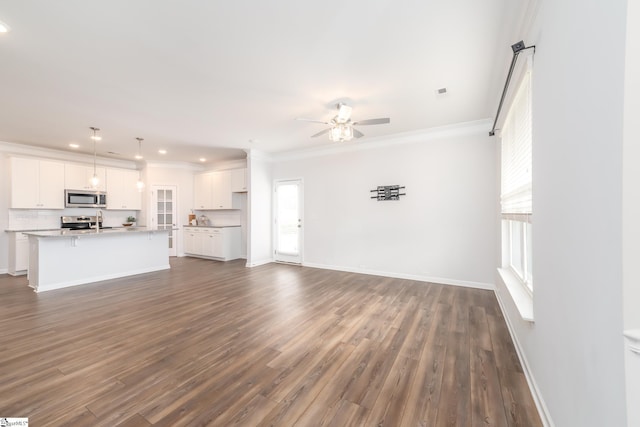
(61, 259)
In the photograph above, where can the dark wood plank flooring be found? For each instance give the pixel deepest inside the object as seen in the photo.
(210, 343)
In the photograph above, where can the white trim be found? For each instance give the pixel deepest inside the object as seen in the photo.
(520, 296)
(543, 411)
(4, 271)
(21, 150)
(632, 337)
(174, 165)
(93, 279)
(291, 259)
(424, 135)
(419, 278)
(259, 263)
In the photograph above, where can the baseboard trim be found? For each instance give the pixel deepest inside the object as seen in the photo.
(4, 270)
(418, 278)
(543, 411)
(259, 263)
(62, 285)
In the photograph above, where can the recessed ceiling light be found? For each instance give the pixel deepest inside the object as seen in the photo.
(72, 145)
(138, 157)
(162, 151)
(4, 28)
(202, 159)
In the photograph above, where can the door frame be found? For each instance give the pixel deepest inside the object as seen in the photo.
(284, 258)
(173, 251)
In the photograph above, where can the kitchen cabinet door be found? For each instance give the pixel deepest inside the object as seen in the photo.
(189, 241)
(51, 185)
(25, 184)
(122, 193)
(18, 253)
(202, 191)
(36, 184)
(78, 177)
(221, 186)
(239, 180)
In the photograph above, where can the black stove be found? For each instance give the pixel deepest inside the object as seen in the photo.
(80, 222)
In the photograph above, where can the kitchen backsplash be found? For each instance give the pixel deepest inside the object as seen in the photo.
(220, 218)
(21, 219)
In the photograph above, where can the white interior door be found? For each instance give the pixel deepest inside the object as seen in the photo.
(163, 211)
(288, 221)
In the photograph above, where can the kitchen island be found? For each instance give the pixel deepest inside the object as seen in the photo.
(62, 258)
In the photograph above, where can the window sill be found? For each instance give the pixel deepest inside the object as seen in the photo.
(521, 298)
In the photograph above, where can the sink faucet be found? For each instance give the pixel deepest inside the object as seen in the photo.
(98, 219)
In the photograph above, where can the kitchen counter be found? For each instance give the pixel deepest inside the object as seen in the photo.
(211, 226)
(90, 232)
(23, 230)
(63, 258)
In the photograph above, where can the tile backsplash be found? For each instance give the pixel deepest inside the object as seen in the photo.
(26, 219)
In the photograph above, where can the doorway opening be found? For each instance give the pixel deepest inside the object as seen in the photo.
(163, 212)
(288, 221)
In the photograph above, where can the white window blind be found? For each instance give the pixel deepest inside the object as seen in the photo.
(516, 153)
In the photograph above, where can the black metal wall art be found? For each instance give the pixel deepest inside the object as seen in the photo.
(388, 192)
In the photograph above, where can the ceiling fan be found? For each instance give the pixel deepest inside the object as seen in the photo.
(341, 125)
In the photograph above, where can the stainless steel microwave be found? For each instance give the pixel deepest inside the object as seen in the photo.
(85, 199)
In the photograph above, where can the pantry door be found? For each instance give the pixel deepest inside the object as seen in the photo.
(163, 211)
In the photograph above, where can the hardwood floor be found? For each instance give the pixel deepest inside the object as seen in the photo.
(209, 343)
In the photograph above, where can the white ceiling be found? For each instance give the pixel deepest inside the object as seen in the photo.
(210, 78)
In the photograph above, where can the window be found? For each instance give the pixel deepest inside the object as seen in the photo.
(516, 180)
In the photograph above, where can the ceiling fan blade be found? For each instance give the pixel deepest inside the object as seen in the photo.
(322, 132)
(357, 133)
(311, 120)
(373, 122)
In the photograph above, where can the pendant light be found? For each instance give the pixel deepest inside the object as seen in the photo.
(140, 183)
(94, 179)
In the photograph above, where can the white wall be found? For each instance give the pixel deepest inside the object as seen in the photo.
(4, 213)
(259, 248)
(631, 208)
(443, 230)
(575, 349)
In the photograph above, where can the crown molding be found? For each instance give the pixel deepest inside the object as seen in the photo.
(11, 149)
(252, 153)
(425, 135)
(175, 165)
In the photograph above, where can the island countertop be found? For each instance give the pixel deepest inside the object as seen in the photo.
(211, 226)
(92, 232)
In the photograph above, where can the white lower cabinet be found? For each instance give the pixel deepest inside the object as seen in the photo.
(221, 243)
(18, 253)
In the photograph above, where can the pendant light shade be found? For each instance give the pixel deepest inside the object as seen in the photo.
(95, 181)
(140, 183)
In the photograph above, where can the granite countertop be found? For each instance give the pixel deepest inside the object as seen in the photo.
(91, 232)
(211, 226)
(22, 230)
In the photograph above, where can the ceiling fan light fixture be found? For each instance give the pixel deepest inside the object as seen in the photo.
(341, 133)
(344, 113)
(4, 28)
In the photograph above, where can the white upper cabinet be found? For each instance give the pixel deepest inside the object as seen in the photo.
(213, 190)
(78, 177)
(202, 193)
(36, 184)
(221, 188)
(122, 192)
(239, 180)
